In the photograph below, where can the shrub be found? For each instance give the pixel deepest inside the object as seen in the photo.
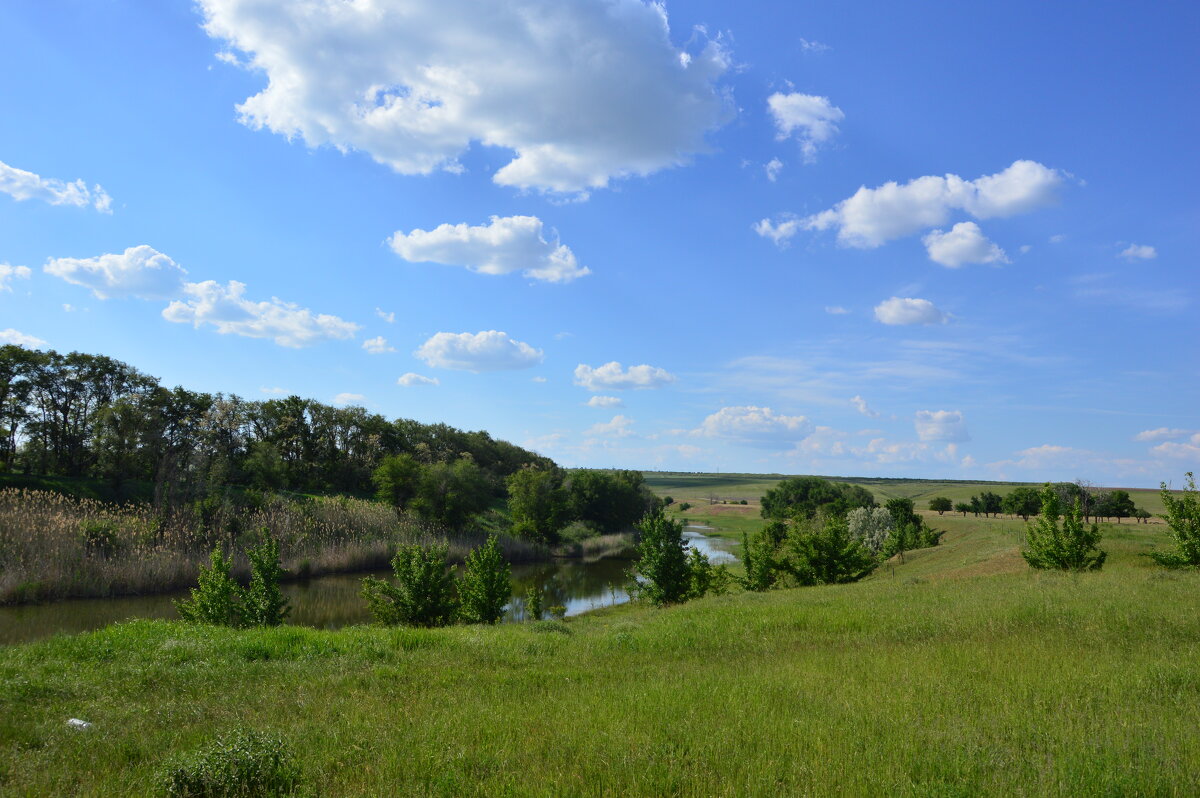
(1183, 516)
(263, 603)
(685, 506)
(538, 504)
(216, 599)
(100, 536)
(242, 764)
(758, 558)
(823, 552)
(533, 603)
(663, 560)
(1070, 547)
(486, 584)
(871, 526)
(706, 579)
(424, 591)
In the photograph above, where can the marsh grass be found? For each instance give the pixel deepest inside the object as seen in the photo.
(53, 546)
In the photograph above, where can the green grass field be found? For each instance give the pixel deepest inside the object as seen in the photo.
(959, 672)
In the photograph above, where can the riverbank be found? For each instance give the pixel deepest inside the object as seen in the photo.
(960, 673)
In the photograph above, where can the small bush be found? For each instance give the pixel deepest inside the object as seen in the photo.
(1071, 547)
(486, 584)
(533, 603)
(758, 558)
(263, 603)
(424, 591)
(685, 506)
(216, 599)
(663, 560)
(1183, 516)
(101, 536)
(242, 764)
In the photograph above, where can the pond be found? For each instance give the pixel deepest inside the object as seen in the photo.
(330, 602)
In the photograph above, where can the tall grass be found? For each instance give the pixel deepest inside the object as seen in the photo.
(53, 546)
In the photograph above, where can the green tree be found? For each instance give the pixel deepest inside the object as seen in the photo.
(216, 599)
(449, 494)
(823, 552)
(1023, 501)
(396, 480)
(263, 603)
(940, 504)
(991, 503)
(1067, 547)
(610, 501)
(486, 584)
(1183, 516)
(802, 497)
(423, 594)
(759, 560)
(533, 603)
(665, 576)
(1116, 504)
(538, 504)
(962, 507)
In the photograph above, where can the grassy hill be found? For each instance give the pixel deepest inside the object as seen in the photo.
(957, 672)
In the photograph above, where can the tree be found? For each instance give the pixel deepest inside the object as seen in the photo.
(871, 526)
(486, 584)
(991, 503)
(448, 494)
(1183, 516)
(538, 503)
(663, 560)
(1023, 501)
(610, 501)
(940, 505)
(423, 594)
(962, 507)
(759, 560)
(1069, 547)
(1116, 504)
(263, 603)
(396, 479)
(802, 497)
(216, 599)
(823, 552)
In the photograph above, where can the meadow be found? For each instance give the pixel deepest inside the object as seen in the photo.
(958, 671)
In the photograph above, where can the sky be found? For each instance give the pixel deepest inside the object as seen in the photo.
(941, 239)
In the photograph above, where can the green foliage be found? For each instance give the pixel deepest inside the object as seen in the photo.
(1183, 516)
(706, 579)
(1116, 504)
(962, 507)
(539, 504)
(448, 494)
(685, 506)
(802, 497)
(423, 594)
(871, 526)
(241, 764)
(1023, 501)
(1069, 547)
(823, 552)
(217, 598)
(263, 603)
(940, 504)
(610, 501)
(663, 560)
(395, 480)
(101, 536)
(758, 558)
(486, 584)
(533, 603)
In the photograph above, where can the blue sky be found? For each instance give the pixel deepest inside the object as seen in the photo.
(856, 238)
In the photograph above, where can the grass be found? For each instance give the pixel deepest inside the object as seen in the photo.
(958, 672)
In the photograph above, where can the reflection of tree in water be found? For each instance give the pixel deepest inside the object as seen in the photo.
(574, 585)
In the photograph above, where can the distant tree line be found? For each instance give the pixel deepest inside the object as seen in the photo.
(1094, 503)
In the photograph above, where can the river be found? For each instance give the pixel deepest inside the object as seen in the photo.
(330, 602)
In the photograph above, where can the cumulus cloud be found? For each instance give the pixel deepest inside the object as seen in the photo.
(11, 336)
(964, 243)
(605, 401)
(414, 84)
(611, 376)
(224, 307)
(22, 185)
(861, 406)
(9, 273)
(1139, 252)
(757, 426)
(904, 310)
(412, 379)
(348, 398)
(505, 245)
(378, 346)
(941, 425)
(780, 232)
(490, 350)
(810, 119)
(140, 271)
(619, 427)
(873, 216)
(1161, 434)
(773, 168)
(1189, 449)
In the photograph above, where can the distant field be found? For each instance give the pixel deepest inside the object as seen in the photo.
(707, 488)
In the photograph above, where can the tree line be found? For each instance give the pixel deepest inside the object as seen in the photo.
(1094, 503)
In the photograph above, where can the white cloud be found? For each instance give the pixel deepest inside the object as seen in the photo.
(810, 119)
(836, 310)
(861, 406)
(348, 398)
(11, 336)
(619, 427)
(377, 346)
(773, 168)
(276, 391)
(286, 323)
(779, 232)
(412, 379)
(903, 310)
(873, 216)
(414, 84)
(816, 48)
(965, 243)
(1139, 252)
(605, 401)
(1057, 238)
(489, 350)
(941, 425)
(1189, 450)
(22, 185)
(506, 245)
(1162, 434)
(758, 426)
(1025, 248)
(140, 271)
(390, 318)
(538, 380)
(9, 273)
(611, 376)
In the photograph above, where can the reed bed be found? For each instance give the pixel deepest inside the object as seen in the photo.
(54, 546)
